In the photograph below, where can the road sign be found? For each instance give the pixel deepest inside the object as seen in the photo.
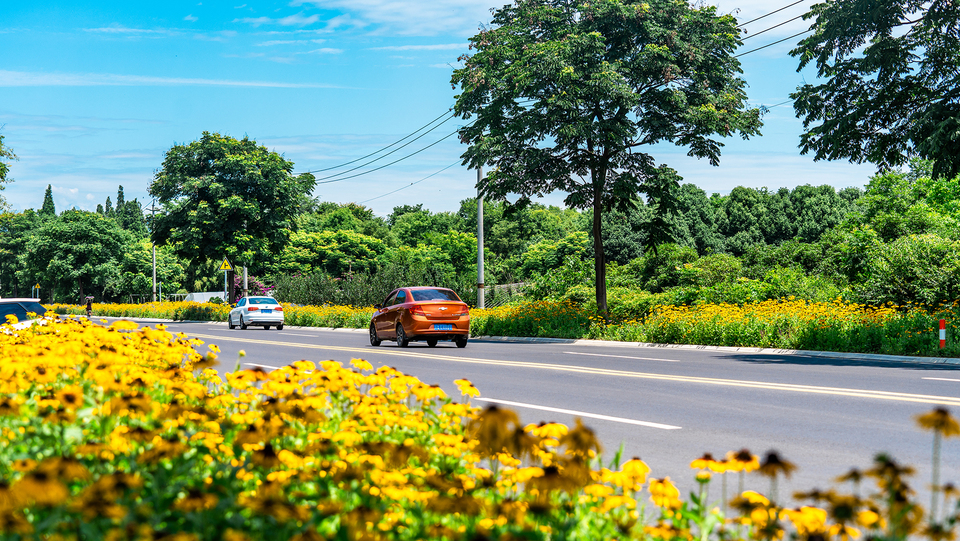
(37, 286)
(226, 266)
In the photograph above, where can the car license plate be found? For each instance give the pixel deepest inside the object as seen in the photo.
(267, 311)
(441, 327)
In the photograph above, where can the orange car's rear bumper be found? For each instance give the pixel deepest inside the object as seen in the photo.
(417, 326)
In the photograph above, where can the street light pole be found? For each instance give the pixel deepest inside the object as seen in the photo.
(480, 296)
(153, 209)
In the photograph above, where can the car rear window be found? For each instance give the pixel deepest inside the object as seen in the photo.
(435, 295)
(263, 301)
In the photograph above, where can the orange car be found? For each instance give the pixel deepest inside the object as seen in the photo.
(427, 314)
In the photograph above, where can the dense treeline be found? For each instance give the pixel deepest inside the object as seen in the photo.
(896, 241)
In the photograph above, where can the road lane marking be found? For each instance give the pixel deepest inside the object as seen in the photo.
(263, 366)
(580, 414)
(942, 379)
(791, 387)
(296, 334)
(622, 357)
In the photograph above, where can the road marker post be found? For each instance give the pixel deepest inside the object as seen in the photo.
(943, 333)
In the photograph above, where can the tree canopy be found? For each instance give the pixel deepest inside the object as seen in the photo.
(566, 93)
(6, 156)
(890, 87)
(226, 197)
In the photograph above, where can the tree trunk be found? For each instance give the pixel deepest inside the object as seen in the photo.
(83, 298)
(599, 260)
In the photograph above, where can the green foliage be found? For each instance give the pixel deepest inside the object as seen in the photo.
(556, 282)
(913, 269)
(350, 216)
(75, 254)
(226, 197)
(544, 256)
(567, 93)
(6, 156)
(135, 276)
(15, 232)
(334, 252)
(888, 71)
(48, 209)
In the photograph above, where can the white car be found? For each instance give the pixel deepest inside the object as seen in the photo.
(265, 311)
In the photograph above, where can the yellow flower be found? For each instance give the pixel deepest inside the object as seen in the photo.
(939, 420)
(664, 494)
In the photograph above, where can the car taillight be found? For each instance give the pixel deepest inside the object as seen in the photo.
(465, 311)
(278, 308)
(252, 308)
(417, 310)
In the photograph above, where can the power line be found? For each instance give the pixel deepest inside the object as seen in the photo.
(770, 44)
(378, 158)
(411, 184)
(388, 146)
(771, 13)
(772, 27)
(395, 161)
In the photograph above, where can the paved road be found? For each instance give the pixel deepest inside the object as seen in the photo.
(667, 406)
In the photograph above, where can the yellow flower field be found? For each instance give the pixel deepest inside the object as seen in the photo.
(118, 432)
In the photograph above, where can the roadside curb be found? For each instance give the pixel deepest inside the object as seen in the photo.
(648, 345)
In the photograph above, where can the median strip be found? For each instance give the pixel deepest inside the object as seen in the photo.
(812, 389)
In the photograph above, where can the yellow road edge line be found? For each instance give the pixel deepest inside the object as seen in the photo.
(836, 391)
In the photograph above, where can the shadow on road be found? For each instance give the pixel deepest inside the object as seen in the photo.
(809, 360)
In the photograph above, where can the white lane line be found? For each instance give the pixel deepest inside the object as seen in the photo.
(581, 414)
(942, 379)
(262, 366)
(622, 357)
(297, 334)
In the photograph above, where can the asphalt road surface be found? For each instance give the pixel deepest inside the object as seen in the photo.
(667, 406)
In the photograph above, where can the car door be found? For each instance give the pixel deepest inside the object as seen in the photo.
(394, 311)
(385, 328)
(235, 313)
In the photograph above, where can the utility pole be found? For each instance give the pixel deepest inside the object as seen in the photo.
(244, 281)
(480, 300)
(153, 209)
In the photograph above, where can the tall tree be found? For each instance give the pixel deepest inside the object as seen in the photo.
(6, 156)
(75, 254)
(48, 209)
(889, 90)
(226, 197)
(566, 93)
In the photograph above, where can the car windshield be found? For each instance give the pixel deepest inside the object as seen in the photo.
(435, 295)
(262, 301)
(20, 309)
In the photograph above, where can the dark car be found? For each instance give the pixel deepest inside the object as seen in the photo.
(20, 307)
(428, 314)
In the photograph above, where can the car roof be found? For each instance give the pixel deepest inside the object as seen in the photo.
(425, 287)
(17, 299)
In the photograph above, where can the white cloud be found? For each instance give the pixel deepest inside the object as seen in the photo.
(117, 29)
(414, 18)
(191, 18)
(24, 78)
(437, 47)
(274, 42)
(290, 20)
(323, 50)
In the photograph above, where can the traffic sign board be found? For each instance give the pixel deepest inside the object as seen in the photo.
(226, 266)
(37, 286)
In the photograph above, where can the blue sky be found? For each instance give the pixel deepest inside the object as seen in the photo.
(92, 94)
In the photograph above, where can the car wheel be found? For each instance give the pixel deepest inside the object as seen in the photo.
(243, 326)
(431, 342)
(402, 339)
(461, 341)
(280, 327)
(230, 324)
(374, 339)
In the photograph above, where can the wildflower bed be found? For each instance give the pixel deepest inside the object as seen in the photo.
(125, 433)
(782, 323)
